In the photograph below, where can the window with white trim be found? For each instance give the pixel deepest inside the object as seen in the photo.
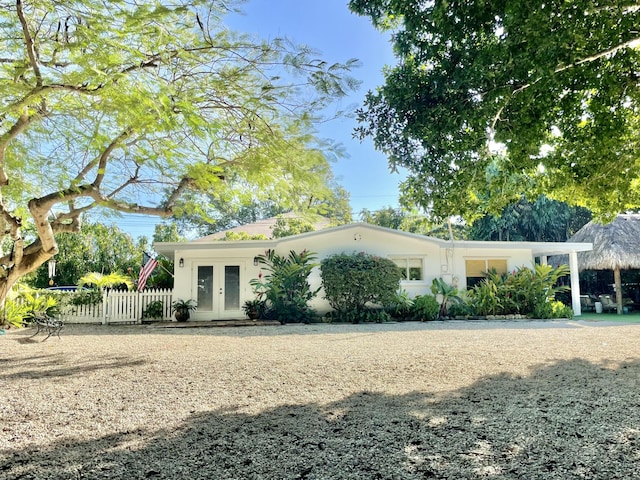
(410, 268)
(477, 268)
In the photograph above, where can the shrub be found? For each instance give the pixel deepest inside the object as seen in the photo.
(24, 303)
(487, 297)
(354, 281)
(461, 309)
(285, 287)
(77, 297)
(552, 309)
(154, 309)
(401, 306)
(525, 291)
(448, 295)
(13, 314)
(425, 308)
(35, 303)
(84, 297)
(255, 308)
(366, 315)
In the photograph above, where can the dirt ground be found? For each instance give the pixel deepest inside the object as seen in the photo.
(441, 400)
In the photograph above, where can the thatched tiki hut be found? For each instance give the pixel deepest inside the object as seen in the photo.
(616, 246)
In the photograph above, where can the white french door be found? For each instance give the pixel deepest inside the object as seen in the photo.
(218, 290)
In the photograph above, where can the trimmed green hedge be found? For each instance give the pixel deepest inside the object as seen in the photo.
(354, 281)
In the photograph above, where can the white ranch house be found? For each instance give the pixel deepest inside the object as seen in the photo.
(217, 273)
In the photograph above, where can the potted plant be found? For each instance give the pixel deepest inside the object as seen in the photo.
(254, 309)
(183, 308)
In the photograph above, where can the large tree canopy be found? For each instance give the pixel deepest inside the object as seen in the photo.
(494, 98)
(127, 105)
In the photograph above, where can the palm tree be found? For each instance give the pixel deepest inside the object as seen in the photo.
(102, 281)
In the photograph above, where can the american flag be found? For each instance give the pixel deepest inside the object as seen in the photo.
(148, 266)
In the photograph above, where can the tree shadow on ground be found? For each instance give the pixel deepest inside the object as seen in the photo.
(568, 420)
(47, 366)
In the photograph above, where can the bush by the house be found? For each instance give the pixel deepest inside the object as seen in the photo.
(355, 282)
(154, 310)
(425, 308)
(447, 296)
(401, 306)
(285, 286)
(366, 315)
(553, 309)
(461, 309)
(526, 291)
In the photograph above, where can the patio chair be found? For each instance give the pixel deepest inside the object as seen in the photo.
(608, 305)
(46, 324)
(588, 303)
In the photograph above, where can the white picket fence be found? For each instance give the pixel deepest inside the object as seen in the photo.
(119, 307)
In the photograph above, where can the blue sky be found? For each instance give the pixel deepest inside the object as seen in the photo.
(338, 35)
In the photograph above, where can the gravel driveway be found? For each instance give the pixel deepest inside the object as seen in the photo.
(441, 400)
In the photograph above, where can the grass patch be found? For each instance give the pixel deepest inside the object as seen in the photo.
(631, 317)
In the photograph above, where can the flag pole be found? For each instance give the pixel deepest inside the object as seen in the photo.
(162, 266)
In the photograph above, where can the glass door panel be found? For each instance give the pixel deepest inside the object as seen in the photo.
(205, 287)
(232, 287)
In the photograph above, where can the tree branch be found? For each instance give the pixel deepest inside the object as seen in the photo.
(104, 158)
(597, 56)
(31, 51)
(591, 58)
(16, 129)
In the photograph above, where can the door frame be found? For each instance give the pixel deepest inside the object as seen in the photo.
(218, 311)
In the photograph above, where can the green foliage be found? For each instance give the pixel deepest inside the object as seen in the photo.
(96, 248)
(208, 213)
(14, 313)
(78, 297)
(232, 236)
(541, 221)
(36, 302)
(488, 296)
(167, 232)
(113, 280)
(388, 217)
(400, 308)
(180, 304)
(352, 281)
(425, 308)
(447, 295)
(552, 309)
(411, 220)
(154, 309)
(526, 291)
(161, 276)
(366, 315)
(492, 99)
(83, 297)
(285, 287)
(462, 309)
(128, 106)
(255, 308)
(286, 227)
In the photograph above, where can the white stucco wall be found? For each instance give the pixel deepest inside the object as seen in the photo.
(439, 258)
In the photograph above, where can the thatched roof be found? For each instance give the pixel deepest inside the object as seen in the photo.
(615, 245)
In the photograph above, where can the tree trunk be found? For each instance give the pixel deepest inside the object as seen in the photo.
(618, 282)
(16, 271)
